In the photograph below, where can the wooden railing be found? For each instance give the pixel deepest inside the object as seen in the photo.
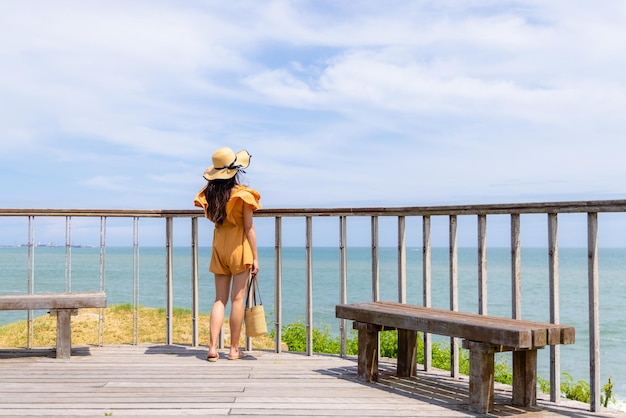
(426, 213)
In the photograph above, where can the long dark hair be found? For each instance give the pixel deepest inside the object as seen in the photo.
(217, 194)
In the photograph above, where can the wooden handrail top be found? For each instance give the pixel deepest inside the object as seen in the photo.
(473, 209)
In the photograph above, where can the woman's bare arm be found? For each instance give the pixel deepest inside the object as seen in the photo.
(248, 225)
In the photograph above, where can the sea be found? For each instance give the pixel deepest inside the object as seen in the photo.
(78, 269)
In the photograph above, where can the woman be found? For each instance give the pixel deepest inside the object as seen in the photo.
(234, 257)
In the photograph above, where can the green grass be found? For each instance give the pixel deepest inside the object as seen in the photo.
(118, 328)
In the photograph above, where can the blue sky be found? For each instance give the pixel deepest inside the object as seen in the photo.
(120, 104)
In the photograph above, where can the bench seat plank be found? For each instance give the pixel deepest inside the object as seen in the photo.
(556, 333)
(512, 333)
(73, 300)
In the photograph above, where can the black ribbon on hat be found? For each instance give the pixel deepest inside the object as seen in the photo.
(232, 166)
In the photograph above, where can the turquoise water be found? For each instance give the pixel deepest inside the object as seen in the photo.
(85, 276)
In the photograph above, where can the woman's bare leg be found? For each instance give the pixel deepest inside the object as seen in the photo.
(222, 291)
(237, 309)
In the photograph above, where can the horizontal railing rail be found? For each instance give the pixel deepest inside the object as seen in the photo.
(479, 211)
(476, 209)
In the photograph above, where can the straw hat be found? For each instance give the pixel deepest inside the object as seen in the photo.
(226, 164)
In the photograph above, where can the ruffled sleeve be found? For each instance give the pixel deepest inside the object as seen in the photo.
(200, 200)
(249, 197)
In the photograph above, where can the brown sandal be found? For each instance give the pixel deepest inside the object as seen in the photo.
(240, 355)
(212, 357)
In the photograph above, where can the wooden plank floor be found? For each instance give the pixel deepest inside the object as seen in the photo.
(159, 380)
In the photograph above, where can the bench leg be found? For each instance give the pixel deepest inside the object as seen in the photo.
(481, 378)
(368, 352)
(64, 331)
(525, 378)
(407, 352)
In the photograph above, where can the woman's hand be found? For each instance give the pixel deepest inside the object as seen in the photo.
(254, 270)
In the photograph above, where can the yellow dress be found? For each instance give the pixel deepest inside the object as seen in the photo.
(231, 253)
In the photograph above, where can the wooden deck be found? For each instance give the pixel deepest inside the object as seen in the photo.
(159, 380)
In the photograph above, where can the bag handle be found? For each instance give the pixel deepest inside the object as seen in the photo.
(251, 292)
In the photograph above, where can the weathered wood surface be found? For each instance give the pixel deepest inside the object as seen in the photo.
(501, 208)
(72, 300)
(493, 330)
(62, 305)
(159, 381)
(483, 335)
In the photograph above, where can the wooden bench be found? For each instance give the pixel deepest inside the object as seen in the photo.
(63, 305)
(483, 336)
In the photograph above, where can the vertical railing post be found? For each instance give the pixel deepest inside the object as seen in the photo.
(482, 264)
(516, 277)
(278, 282)
(454, 293)
(427, 291)
(594, 311)
(343, 291)
(135, 280)
(516, 263)
(309, 285)
(169, 279)
(68, 254)
(31, 276)
(375, 270)
(553, 271)
(195, 307)
(103, 240)
(401, 259)
(375, 261)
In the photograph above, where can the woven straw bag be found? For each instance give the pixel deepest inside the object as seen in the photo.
(256, 324)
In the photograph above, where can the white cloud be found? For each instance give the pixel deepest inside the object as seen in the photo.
(337, 101)
(107, 183)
